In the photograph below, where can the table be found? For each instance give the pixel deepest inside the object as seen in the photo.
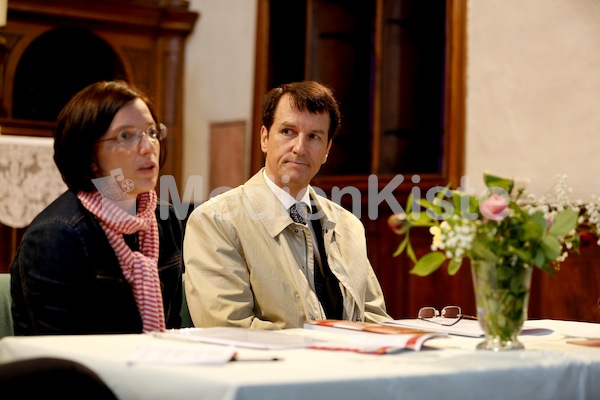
(549, 368)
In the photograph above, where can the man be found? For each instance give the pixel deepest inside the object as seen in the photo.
(250, 263)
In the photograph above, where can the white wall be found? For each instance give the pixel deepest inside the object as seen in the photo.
(533, 87)
(533, 103)
(219, 76)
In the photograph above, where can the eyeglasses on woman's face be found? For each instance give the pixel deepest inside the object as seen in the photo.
(130, 137)
(450, 315)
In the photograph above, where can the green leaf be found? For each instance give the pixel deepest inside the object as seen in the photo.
(516, 285)
(504, 273)
(425, 203)
(411, 253)
(492, 180)
(454, 266)
(524, 255)
(437, 204)
(551, 247)
(564, 222)
(428, 264)
(540, 258)
(548, 269)
(422, 220)
(539, 218)
(409, 203)
(446, 193)
(531, 230)
(460, 200)
(481, 252)
(518, 211)
(401, 247)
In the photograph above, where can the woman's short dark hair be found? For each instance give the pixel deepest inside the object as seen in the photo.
(310, 96)
(84, 120)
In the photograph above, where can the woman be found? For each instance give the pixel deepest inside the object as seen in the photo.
(99, 259)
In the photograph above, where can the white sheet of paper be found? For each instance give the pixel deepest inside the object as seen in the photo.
(160, 354)
(464, 327)
(587, 330)
(239, 337)
(471, 328)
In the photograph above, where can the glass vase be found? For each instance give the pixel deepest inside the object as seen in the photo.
(501, 297)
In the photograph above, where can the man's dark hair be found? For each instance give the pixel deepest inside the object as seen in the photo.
(310, 96)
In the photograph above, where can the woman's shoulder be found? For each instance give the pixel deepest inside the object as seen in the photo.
(64, 209)
(64, 224)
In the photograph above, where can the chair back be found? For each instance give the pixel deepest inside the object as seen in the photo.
(6, 325)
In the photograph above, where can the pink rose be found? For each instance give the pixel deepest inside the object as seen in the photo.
(398, 223)
(494, 208)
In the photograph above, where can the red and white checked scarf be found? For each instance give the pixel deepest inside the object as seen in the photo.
(140, 268)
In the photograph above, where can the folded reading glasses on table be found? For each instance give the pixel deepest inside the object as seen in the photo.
(449, 316)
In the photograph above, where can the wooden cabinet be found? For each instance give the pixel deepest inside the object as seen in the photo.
(50, 49)
(395, 66)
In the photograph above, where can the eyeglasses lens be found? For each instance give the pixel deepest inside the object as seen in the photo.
(451, 312)
(427, 312)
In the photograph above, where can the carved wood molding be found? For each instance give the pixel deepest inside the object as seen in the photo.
(166, 16)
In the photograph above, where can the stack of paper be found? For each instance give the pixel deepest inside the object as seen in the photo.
(239, 337)
(366, 337)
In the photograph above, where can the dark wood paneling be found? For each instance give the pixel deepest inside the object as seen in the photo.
(573, 293)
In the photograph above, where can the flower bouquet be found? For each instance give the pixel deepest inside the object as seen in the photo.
(505, 234)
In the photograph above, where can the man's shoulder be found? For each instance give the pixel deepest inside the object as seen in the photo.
(228, 203)
(229, 193)
(253, 190)
(223, 199)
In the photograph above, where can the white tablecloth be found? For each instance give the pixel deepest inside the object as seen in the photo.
(548, 368)
(29, 179)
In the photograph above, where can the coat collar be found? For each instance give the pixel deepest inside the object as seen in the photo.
(272, 213)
